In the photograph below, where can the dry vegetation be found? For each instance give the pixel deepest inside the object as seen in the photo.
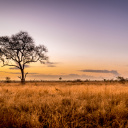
(63, 105)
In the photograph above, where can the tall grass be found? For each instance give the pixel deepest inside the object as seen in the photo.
(58, 105)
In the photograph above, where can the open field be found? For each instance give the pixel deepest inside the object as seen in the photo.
(63, 105)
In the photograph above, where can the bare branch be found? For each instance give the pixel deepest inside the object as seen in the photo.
(26, 74)
(19, 77)
(30, 61)
(10, 65)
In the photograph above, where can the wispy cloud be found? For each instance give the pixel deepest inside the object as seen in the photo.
(64, 77)
(10, 72)
(15, 68)
(52, 64)
(101, 71)
(33, 73)
(49, 64)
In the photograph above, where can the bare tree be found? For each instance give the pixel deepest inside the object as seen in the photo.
(19, 50)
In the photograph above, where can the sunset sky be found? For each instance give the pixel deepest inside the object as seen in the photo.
(86, 39)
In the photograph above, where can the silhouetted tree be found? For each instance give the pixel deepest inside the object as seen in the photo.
(60, 78)
(19, 50)
(121, 79)
(8, 80)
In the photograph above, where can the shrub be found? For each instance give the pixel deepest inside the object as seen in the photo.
(8, 80)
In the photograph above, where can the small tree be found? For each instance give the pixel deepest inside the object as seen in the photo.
(8, 80)
(60, 78)
(121, 79)
(19, 50)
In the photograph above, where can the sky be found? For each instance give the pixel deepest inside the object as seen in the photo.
(86, 39)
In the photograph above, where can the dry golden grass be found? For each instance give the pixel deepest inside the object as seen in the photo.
(63, 105)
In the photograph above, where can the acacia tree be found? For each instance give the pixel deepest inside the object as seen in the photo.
(20, 50)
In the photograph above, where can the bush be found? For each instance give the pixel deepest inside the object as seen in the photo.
(8, 80)
(78, 80)
(121, 79)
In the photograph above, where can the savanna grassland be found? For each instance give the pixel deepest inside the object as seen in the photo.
(64, 105)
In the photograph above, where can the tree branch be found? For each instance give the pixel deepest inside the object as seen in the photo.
(30, 61)
(19, 77)
(26, 74)
(10, 65)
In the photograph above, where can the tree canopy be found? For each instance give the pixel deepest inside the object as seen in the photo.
(20, 50)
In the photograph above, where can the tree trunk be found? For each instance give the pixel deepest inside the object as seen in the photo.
(22, 76)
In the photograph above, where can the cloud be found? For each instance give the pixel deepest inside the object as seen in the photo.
(64, 76)
(19, 73)
(26, 66)
(52, 64)
(101, 71)
(14, 68)
(48, 64)
(10, 72)
(40, 76)
(33, 73)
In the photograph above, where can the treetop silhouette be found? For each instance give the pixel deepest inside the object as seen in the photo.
(20, 50)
